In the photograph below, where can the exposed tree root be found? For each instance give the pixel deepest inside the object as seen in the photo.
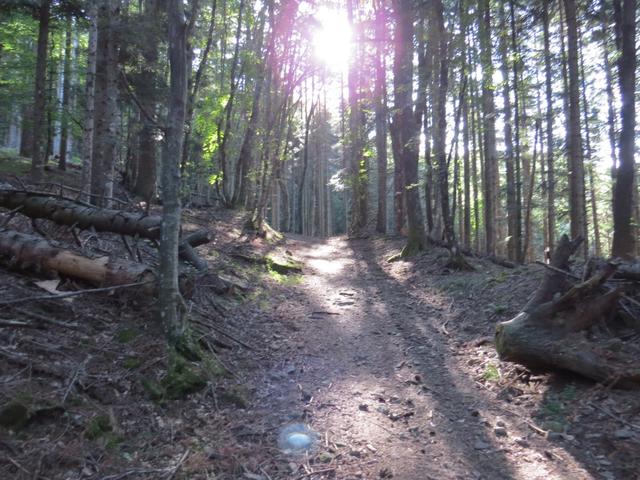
(550, 332)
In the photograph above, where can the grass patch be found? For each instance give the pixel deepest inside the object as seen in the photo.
(126, 335)
(13, 164)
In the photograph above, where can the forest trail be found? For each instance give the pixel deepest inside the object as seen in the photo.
(375, 372)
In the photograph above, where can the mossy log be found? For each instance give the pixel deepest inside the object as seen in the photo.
(549, 332)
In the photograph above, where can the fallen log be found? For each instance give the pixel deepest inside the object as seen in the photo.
(28, 252)
(549, 332)
(81, 215)
(85, 216)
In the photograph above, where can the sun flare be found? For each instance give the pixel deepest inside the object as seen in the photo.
(332, 39)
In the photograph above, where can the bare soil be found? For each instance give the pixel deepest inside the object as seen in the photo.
(391, 364)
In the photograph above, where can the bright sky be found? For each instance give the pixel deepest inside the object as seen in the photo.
(332, 40)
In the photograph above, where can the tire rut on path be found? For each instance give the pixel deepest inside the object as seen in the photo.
(376, 376)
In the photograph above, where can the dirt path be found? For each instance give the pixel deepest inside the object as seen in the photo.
(373, 369)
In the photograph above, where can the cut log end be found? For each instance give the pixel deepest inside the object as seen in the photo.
(550, 331)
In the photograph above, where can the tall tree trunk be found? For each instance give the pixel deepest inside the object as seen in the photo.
(40, 94)
(512, 207)
(381, 118)
(305, 165)
(551, 187)
(145, 180)
(574, 147)
(66, 91)
(491, 179)
(357, 161)
(106, 109)
(406, 128)
(90, 82)
(169, 298)
(623, 238)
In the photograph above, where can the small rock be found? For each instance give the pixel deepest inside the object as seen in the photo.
(522, 442)
(623, 434)
(363, 407)
(555, 436)
(480, 445)
(500, 432)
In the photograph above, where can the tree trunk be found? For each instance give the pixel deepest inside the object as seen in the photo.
(145, 180)
(105, 139)
(512, 207)
(169, 302)
(549, 331)
(551, 187)
(358, 168)
(381, 118)
(66, 91)
(90, 82)
(40, 95)
(491, 179)
(623, 238)
(29, 252)
(405, 124)
(574, 147)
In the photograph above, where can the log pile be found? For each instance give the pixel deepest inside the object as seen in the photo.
(34, 253)
(561, 326)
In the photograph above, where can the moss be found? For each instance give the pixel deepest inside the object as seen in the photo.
(126, 335)
(235, 395)
(131, 362)
(491, 373)
(182, 378)
(282, 266)
(153, 389)
(99, 426)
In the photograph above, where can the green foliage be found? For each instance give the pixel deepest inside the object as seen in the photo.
(491, 373)
(126, 335)
(98, 426)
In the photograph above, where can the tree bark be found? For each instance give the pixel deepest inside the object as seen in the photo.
(40, 95)
(574, 147)
(169, 301)
(28, 252)
(66, 91)
(405, 124)
(145, 180)
(512, 207)
(623, 238)
(548, 332)
(105, 139)
(551, 187)
(381, 118)
(491, 179)
(90, 82)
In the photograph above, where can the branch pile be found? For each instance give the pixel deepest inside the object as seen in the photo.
(566, 326)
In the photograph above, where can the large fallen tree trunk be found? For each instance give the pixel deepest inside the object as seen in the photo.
(81, 215)
(28, 252)
(84, 216)
(550, 331)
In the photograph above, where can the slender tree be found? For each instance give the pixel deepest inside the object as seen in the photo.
(623, 238)
(574, 147)
(169, 299)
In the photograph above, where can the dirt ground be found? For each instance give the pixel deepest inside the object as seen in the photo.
(391, 365)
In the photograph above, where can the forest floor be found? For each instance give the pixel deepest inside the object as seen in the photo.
(391, 364)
